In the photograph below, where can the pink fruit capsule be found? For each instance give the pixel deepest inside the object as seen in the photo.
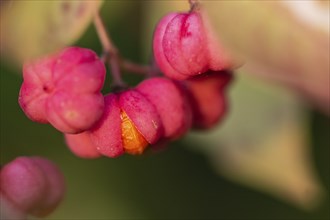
(143, 114)
(184, 45)
(23, 182)
(32, 185)
(208, 98)
(64, 90)
(170, 100)
(129, 123)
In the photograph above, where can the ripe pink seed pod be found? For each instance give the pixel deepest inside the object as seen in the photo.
(184, 45)
(170, 100)
(33, 185)
(130, 122)
(82, 145)
(143, 114)
(23, 182)
(208, 98)
(64, 89)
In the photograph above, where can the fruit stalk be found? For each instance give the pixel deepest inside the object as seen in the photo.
(112, 55)
(110, 51)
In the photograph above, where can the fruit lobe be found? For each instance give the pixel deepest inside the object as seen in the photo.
(82, 145)
(208, 98)
(106, 133)
(171, 102)
(143, 114)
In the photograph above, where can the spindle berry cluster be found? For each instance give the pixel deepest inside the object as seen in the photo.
(64, 90)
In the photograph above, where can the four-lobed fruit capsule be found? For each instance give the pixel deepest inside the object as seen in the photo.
(64, 89)
(130, 122)
(30, 185)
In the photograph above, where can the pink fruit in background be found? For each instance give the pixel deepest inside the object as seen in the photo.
(82, 145)
(55, 186)
(170, 100)
(208, 97)
(64, 90)
(31, 185)
(129, 123)
(184, 45)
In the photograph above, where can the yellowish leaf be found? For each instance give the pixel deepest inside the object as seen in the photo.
(264, 143)
(35, 27)
(285, 42)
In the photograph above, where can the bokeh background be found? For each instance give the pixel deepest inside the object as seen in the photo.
(268, 160)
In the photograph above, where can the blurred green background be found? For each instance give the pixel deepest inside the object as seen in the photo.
(176, 183)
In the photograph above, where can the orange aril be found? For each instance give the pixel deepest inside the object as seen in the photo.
(133, 141)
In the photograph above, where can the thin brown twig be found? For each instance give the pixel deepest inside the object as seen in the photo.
(194, 5)
(133, 67)
(110, 51)
(111, 55)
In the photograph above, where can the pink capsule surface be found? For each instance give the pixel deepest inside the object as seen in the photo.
(36, 88)
(64, 89)
(184, 45)
(23, 183)
(106, 134)
(74, 113)
(171, 102)
(208, 98)
(143, 114)
(55, 187)
(32, 185)
(82, 145)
